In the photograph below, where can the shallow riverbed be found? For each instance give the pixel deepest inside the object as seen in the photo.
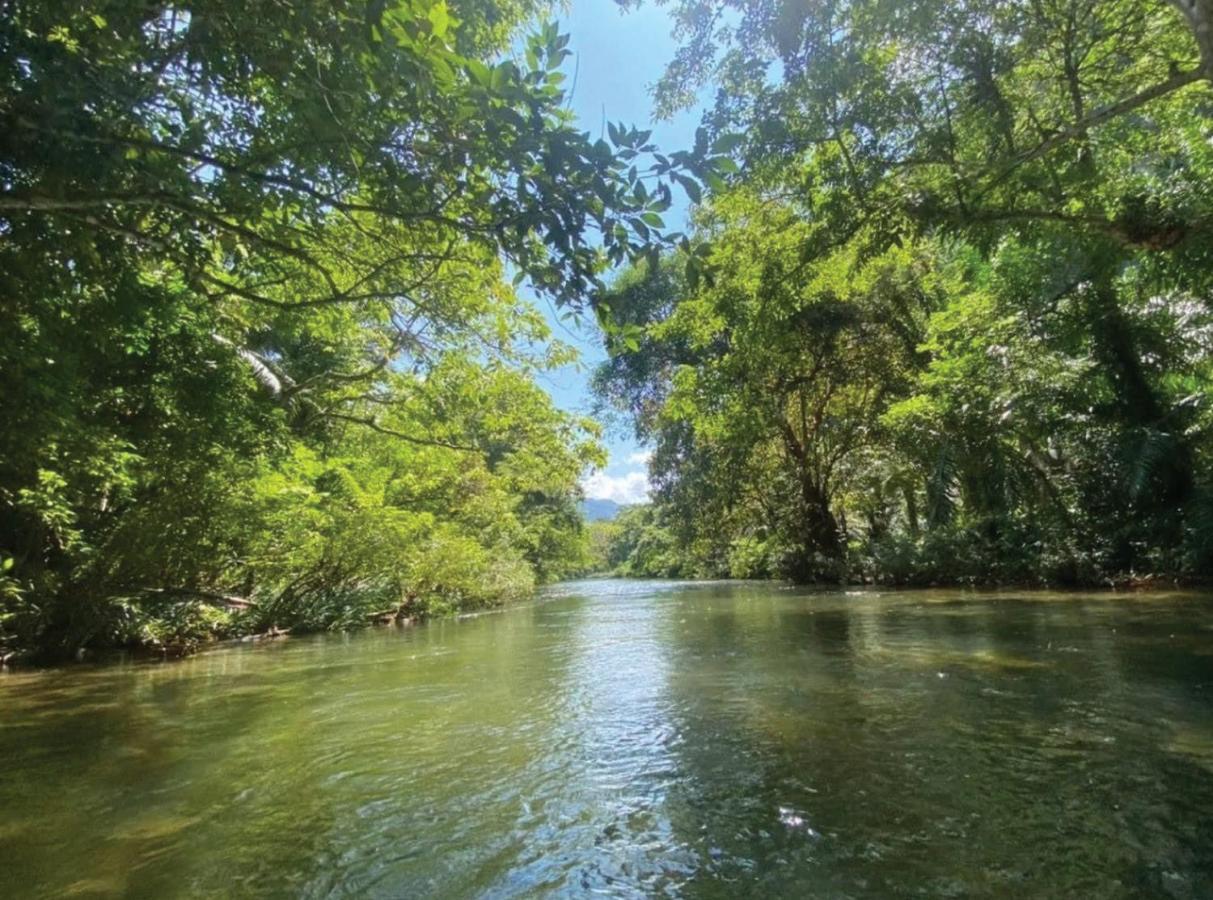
(629, 738)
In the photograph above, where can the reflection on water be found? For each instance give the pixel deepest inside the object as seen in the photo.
(639, 738)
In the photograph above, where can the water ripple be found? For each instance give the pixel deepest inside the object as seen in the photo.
(639, 739)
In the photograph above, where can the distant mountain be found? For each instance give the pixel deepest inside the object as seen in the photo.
(596, 510)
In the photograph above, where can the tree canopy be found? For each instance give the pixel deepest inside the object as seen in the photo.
(942, 312)
(954, 316)
(259, 347)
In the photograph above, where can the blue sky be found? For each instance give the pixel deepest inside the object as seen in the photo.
(617, 57)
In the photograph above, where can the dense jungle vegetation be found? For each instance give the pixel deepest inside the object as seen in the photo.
(943, 313)
(951, 321)
(263, 367)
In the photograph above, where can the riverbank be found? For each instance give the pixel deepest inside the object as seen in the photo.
(193, 622)
(239, 627)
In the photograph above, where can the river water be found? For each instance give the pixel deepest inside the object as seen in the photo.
(624, 738)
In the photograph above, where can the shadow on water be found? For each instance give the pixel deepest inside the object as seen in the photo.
(639, 738)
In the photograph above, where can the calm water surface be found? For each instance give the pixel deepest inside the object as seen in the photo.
(638, 738)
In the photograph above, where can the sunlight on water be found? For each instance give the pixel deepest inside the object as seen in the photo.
(638, 738)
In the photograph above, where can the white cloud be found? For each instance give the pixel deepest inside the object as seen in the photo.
(631, 487)
(640, 459)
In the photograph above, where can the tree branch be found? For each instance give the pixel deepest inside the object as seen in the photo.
(372, 424)
(1079, 129)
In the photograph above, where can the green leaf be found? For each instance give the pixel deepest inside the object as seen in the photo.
(691, 186)
(480, 72)
(500, 77)
(440, 20)
(727, 143)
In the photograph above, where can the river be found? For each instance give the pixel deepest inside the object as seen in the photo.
(626, 738)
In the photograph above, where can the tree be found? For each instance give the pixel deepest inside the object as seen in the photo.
(1047, 162)
(243, 242)
(780, 371)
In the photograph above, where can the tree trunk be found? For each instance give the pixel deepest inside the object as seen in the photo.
(820, 537)
(1164, 483)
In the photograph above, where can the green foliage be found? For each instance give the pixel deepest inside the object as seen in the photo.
(944, 314)
(637, 544)
(601, 537)
(260, 364)
(750, 557)
(955, 320)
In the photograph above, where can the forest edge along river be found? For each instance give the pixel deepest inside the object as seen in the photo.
(320, 313)
(634, 738)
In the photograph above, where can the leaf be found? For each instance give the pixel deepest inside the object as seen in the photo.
(480, 72)
(440, 20)
(500, 77)
(727, 143)
(691, 186)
